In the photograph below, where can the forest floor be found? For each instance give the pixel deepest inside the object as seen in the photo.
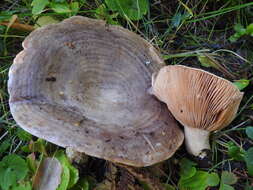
(216, 36)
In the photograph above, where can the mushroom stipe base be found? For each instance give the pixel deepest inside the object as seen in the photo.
(196, 140)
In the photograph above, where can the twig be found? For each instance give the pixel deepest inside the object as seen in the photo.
(18, 26)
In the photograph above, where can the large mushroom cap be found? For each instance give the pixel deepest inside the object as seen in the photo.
(83, 84)
(199, 100)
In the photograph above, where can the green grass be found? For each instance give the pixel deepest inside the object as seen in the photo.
(182, 31)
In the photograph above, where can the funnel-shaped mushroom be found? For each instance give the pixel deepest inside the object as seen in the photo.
(83, 84)
(200, 101)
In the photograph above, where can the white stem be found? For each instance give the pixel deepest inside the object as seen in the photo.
(196, 140)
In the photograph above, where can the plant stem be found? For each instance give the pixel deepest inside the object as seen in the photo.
(185, 54)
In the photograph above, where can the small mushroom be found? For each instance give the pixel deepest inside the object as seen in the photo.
(202, 102)
(83, 84)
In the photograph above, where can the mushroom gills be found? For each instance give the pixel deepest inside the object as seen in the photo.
(202, 102)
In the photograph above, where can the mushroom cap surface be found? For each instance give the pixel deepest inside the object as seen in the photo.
(83, 84)
(197, 98)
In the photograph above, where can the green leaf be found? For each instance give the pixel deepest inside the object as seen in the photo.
(132, 9)
(248, 186)
(83, 184)
(233, 38)
(38, 146)
(207, 61)
(249, 29)
(112, 4)
(60, 7)
(241, 84)
(7, 178)
(31, 163)
(103, 13)
(74, 175)
(249, 160)
(25, 148)
(187, 168)
(235, 152)
(6, 15)
(23, 135)
(70, 174)
(240, 30)
(176, 20)
(199, 181)
(65, 177)
(249, 132)
(39, 6)
(59, 1)
(82, 2)
(169, 187)
(204, 61)
(212, 179)
(226, 187)
(74, 6)
(45, 20)
(12, 169)
(17, 165)
(25, 186)
(4, 146)
(228, 178)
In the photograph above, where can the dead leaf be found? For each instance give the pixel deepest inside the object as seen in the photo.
(48, 176)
